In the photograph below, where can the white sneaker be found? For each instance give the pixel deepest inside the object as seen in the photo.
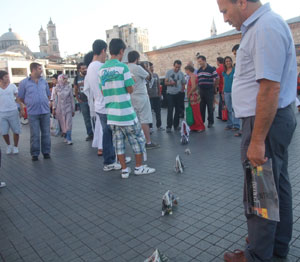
(125, 172)
(65, 140)
(113, 166)
(70, 143)
(2, 184)
(143, 170)
(9, 149)
(15, 150)
(127, 160)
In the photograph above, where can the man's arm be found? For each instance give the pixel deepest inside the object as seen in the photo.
(129, 89)
(266, 108)
(76, 88)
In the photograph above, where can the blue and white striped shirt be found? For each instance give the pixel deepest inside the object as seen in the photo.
(35, 95)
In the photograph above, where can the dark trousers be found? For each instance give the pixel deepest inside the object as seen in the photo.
(156, 107)
(221, 103)
(85, 109)
(268, 237)
(182, 107)
(207, 100)
(39, 134)
(173, 102)
(109, 155)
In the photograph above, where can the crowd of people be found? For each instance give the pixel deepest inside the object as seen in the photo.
(116, 101)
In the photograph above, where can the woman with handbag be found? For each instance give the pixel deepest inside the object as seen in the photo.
(194, 100)
(64, 108)
(232, 122)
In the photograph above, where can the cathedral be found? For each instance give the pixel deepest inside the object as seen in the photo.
(50, 47)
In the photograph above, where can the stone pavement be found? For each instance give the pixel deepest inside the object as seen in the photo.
(68, 209)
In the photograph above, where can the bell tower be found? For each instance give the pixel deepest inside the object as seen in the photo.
(43, 41)
(53, 48)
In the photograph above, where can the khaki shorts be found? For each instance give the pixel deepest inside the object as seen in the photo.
(142, 107)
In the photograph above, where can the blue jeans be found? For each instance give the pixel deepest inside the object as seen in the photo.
(232, 122)
(39, 128)
(85, 109)
(69, 135)
(109, 154)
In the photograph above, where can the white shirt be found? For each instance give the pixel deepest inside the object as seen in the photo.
(8, 98)
(91, 84)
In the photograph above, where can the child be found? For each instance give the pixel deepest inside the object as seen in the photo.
(117, 85)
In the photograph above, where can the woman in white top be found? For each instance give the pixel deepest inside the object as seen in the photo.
(9, 114)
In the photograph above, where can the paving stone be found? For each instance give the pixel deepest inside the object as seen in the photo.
(68, 209)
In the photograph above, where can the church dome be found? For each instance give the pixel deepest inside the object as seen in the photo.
(11, 39)
(11, 36)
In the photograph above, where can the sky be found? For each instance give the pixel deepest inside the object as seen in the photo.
(79, 23)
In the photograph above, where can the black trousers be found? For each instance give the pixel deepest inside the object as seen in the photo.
(174, 101)
(207, 101)
(156, 107)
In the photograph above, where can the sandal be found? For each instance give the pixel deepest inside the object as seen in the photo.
(238, 134)
(100, 152)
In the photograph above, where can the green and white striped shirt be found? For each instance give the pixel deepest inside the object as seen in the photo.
(115, 77)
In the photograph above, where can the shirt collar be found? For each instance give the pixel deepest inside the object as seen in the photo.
(255, 16)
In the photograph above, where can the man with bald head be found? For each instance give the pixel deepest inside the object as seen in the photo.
(263, 91)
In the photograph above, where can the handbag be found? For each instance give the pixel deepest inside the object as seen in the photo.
(189, 114)
(224, 114)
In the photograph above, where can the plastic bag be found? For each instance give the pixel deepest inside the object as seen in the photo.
(157, 257)
(168, 202)
(54, 127)
(261, 194)
(189, 115)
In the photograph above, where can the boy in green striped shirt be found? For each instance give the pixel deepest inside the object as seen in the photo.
(116, 84)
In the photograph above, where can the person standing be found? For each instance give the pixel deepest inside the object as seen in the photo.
(83, 100)
(175, 82)
(194, 98)
(9, 114)
(117, 85)
(64, 106)
(207, 83)
(155, 95)
(263, 96)
(35, 94)
(232, 122)
(220, 70)
(139, 96)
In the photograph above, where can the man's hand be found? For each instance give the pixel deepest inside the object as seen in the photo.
(73, 114)
(256, 153)
(22, 112)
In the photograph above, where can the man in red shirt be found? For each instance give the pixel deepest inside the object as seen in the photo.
(220, 70)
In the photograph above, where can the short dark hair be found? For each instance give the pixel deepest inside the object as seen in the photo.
(190, 68)
(34, 65)
(80, 65)
(178, 62)
(3, 74)
(55, 76)
(150, 64)
(98, 46)
(220, 60)
(116, 45)
(88, 58)
(133, 56)
(235, 47)
(202, 57)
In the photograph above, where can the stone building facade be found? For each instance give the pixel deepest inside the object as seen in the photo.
(135, 38)
(211, 48)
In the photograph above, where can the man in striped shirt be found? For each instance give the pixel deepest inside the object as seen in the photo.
(207, 82)
(116, 84)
